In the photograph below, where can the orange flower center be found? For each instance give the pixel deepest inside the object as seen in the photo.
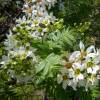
(68, 65)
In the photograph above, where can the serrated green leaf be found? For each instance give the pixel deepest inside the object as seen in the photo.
(48, 64)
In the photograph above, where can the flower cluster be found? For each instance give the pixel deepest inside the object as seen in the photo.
(36, 19)
(38, 8)
(17, 53)
(82, 68)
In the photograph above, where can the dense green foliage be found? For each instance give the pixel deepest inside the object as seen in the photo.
(35, 50)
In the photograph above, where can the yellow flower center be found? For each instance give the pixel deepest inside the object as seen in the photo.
(65, 77)
(77, 71)
(90, 64)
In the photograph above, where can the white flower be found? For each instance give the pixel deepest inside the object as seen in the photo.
(10, 42)
(63, 78)
(84, 69)
(36, 11)
(91, 79)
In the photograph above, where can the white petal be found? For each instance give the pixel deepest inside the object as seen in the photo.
(89, 70)
(29, 54)
(71, 73)
(63, 71)
(95, 69)
(90, 55)
(26, 5)
(2, 63)
(74, 85)
(80, 77)
(86, 87)
(82, 83)
(98, 52)
(64, 84)
(77, 65)
(59, 79)
(81, 45)
(70, 82)
(74, 56)
(90, 49)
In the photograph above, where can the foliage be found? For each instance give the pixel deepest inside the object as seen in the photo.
(4, 2)
(61, 39)
(79, 11)
(46, 69)
(9, 10)
(40, 57)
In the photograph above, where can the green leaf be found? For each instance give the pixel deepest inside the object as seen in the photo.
(61, 39)
(48, 64)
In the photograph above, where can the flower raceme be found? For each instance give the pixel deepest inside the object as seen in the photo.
(82, 68)
(15, 50)
(36, 19)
